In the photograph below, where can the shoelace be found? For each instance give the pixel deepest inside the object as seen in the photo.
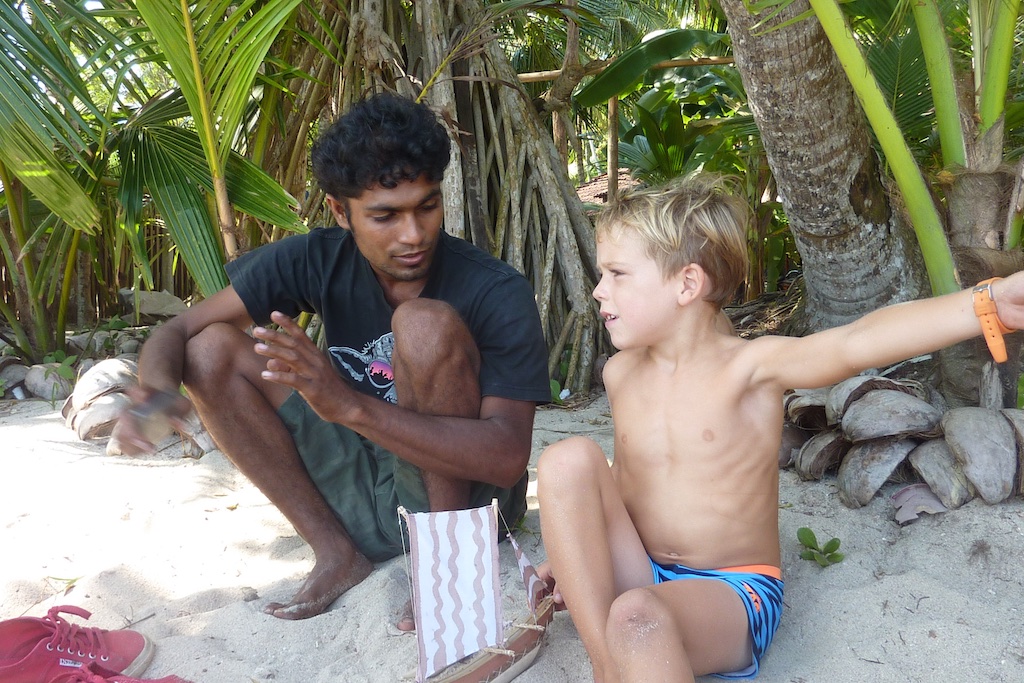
(75, 640)
(82, 675)
(94, 673)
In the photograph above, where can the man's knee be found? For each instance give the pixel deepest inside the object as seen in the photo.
(212, 356)
(428, 332)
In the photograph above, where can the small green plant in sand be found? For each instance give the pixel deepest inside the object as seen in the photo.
(823, 555)
(65, 364)
(63, 367)
(62, 585)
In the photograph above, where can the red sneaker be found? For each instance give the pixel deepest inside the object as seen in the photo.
(36, 650)
(94, 673)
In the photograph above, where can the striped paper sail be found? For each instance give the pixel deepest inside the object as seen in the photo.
(454, 572)
(535, 588)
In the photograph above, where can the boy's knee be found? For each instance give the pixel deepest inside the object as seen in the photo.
(569, 460)
(634, 618)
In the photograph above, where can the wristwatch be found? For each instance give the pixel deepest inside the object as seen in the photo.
(991, 326)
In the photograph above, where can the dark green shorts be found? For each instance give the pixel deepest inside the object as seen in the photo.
(364, 484)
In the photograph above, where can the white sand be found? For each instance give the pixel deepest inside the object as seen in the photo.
(188, 552)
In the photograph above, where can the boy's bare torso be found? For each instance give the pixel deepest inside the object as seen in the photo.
(696, 455)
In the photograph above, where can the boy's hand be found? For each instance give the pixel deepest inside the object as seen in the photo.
(1009, 297)
(545, 575)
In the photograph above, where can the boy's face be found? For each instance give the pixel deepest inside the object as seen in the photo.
(396, 230)
(636, 301)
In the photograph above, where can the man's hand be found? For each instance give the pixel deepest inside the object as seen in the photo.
(150, 418)
(296, 362)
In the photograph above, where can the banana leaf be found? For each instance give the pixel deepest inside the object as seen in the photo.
(623, 74)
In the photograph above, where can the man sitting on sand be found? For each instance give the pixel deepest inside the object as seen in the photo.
(436, 358)
(669, 560)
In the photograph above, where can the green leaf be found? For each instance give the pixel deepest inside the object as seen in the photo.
(556, 391)
(831, 546)
(186, 215)
(37, 77)
(836, 558)
(250, 189)
(821, 559)
(32, 161)
(130, 194)
(227, 46)
(807, 555)
(807, 537)
(624, 73)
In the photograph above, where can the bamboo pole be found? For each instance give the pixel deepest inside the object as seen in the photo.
(613, 151)
(540, 76)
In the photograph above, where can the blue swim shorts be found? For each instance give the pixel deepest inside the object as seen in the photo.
(760, 589)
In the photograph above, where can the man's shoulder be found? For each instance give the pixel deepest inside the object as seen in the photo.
(462, 256)
(290, 264)
(328, 237)
(316, 238)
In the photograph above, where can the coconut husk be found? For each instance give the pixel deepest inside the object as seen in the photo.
(97, 420)
(1016, 419)
(806, 408)
(849, 390)
(935, 463)
(936, 399)
(107, 376)
(793, 439)
(867, 466)
(822, 452)
(983, 442)
(888, 413)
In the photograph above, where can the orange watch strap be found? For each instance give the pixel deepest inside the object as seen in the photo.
(991, 326)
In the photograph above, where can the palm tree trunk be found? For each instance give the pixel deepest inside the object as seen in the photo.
(858, 254)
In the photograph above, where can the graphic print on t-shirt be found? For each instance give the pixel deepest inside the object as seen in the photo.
(370, 367)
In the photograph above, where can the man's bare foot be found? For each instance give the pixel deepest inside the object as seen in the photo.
(325, 584)
(406, 622)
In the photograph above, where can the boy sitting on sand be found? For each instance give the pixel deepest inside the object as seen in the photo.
(669, 560)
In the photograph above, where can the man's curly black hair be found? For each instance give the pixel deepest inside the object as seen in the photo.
(384, 139)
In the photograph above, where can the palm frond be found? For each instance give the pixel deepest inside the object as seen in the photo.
(185, 213)
(215, 55)
(34, 163)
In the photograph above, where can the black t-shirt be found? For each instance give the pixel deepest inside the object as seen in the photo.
(323, 272)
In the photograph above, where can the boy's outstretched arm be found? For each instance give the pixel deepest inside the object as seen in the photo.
(885, 336)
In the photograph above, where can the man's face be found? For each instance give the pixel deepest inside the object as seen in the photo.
(396, 229)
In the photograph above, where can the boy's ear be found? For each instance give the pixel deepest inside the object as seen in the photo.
(339, 209)
(691, 280)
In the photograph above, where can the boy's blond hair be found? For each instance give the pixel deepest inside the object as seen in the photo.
(693, 219)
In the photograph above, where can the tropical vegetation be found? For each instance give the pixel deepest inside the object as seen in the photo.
(143, 144)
